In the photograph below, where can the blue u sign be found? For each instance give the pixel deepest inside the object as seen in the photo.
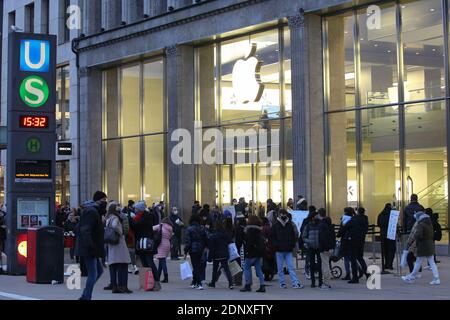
(34, 55)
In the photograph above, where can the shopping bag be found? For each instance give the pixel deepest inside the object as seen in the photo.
(146, 280)
(337, 250)
(235, 268)
(403, 260)
(233, 252)
(185, 270)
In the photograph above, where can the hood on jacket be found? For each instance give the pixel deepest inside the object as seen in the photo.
(251, 226)
(283, 223)
(90, 203)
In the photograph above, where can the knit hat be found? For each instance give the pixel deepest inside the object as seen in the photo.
(98, 195)
(140, 206)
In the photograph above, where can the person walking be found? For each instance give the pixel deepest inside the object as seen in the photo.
(118, 256)
(89, 240)
(269, 265)
(177, 227)
(388, 246)
(166, 230)
(408, 214)
(284, 240)
(253, 253)
(344, 234)
(437, 229)
(196, 207)
(357, 229)
(423, 237)
(195, 244)
(218, 242)
(312, 213)
(142, 224)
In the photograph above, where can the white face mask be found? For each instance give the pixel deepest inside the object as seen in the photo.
(175, 212)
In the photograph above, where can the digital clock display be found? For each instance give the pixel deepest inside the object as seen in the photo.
(33, 122)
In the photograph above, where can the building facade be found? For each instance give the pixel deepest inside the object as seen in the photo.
(357, 93)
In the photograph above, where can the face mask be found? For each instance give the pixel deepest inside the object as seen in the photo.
(175, 212)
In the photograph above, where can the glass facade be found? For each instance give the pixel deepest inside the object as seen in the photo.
(62, 182)
(62, 103)
(243, 86)
(387, 107)
(134, 132)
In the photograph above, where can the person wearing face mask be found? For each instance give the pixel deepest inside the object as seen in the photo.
(284, 241)
(177, 223)
(90, 240)
(422, 237)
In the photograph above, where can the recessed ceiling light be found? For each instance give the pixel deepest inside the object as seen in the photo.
(375, 45)
(362, 39)
(434, 50)
(417, 53)
(389, 51)
(403, 6)
(432, 10)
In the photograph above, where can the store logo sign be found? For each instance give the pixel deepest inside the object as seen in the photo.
(33, 145)
(374, 17)
(247, 84)
(34, 91)
(34, 55)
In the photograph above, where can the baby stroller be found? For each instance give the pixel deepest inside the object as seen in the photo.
(336, 256)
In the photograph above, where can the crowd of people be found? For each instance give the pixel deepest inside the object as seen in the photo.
(236, 241)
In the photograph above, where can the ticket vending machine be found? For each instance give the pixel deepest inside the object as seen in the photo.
(31, 148)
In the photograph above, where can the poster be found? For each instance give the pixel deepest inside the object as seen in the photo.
(231, 209)
(393, 221)
(298, 217)
(32, 212)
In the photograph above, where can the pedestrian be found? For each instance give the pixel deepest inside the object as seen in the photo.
(218, 242)
(437, 229)
(196, 207)
(166, 229)
(195, 244)
(205, 216)
(388, 246)
(118, 256)
(253, 253)
(272, 212)
(177, 226)
(344, 234)
(284, 241)
(142, 224)
(312, 237)
(301, 204)
(70, 225)
(290, 204)
(241, 206)
(269, 265)
(159, 212)
(408, 215)
(89, 240)
(423, 237)
(312, 213)
(2, 238)
(129, 214)
(216, 215)
(356, 230)
(327, 243)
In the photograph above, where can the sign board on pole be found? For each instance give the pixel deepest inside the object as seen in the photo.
(393, 221)
(31, 140)
(298, 217)
(231, 209)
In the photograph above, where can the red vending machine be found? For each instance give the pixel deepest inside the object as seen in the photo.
(45, 255)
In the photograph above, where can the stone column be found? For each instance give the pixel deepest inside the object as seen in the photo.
(307, 107)
(91, 22)
(180, 104)
(90, 132)
(111, 14)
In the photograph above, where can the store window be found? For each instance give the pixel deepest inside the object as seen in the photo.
(134, 132)
(62, 182)
(244, 85)
(372, 123)
(62, 103)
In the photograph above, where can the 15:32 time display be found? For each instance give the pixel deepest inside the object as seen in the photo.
(33, 122)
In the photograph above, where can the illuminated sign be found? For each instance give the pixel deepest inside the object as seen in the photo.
(34, 55)
(33, 122)
(64, 149)
(33, 169)
(34, 91)
(247, 84)
(33, 145)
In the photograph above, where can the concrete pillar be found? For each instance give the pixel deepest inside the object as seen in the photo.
(307, 107)
(132, 10)
(111, 14)
(154, 7)
(180, 104)
(90, 132)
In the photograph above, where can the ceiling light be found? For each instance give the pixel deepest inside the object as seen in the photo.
(432, 10)
(375, 45)
(417, 53)
(389, 51)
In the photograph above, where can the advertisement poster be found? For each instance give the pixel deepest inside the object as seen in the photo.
(393, 221)
(32, 212)
(298, 217)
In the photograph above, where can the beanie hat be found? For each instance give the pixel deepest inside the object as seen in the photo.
(140, 206)
(98, 195)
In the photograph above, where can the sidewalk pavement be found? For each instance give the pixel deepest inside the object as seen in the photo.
(392, 288)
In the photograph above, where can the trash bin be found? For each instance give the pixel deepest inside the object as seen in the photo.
(45, 255)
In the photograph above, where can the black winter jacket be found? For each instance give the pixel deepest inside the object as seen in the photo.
(327, 236)
(283, 236)
(195, 241)
(90, 232)
(383, 222)
(218, 242)
(143, 228)
(408, 215)
(253, 242)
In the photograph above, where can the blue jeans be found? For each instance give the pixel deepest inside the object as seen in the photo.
(95, 270)
(248, 263)
(281, 258)
(162, 267)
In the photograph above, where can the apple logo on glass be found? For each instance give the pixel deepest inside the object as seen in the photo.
(247, 84)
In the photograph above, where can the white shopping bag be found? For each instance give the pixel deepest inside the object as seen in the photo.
(185, 270)
(232, 252)
(403, 260)
(235, 268)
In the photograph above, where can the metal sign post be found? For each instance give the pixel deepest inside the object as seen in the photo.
(31, 153)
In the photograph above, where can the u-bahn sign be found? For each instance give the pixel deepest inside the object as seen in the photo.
(31, 152)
